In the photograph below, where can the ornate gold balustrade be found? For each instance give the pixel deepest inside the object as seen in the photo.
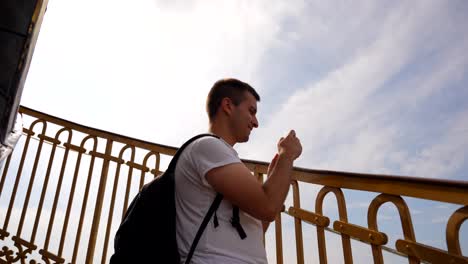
(64, 190)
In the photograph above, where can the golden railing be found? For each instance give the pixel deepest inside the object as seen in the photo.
(64, 190)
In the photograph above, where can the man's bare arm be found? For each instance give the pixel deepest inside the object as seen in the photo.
(239, 187)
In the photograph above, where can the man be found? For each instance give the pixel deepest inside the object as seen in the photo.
(209, 166)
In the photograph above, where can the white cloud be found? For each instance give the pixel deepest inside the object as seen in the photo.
(439, 220)
(322, 109)
(416, 212)
(443, 157)
(344, 121)
(144, 69)
(148, 76)
(358, 205)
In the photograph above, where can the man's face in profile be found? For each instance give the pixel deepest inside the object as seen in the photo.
(244, 118)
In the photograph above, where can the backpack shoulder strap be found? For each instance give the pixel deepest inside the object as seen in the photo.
(214, 206)
(235, 222)
(173, 163)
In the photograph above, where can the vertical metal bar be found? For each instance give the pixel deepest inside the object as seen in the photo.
(145, 167)
(98, 207)
(259, 177)
(111, 213)
(83, 207)
(345, 239)
(158, 163)
(70, 202)
(142, 179)
(347, 252)
(127, 191)
(57, 190)
(72, 190)
(298, 225)
(15, 186)
(321, 244)
(377, 254)
(5, 171)
(279, 240)
(31, 182)
(111, 209)
(43, 193)
(348, 257)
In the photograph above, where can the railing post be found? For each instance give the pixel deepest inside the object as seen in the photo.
(279, 239)
(298, 224)
(99, 201)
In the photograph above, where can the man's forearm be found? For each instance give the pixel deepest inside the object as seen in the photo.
(276, 186)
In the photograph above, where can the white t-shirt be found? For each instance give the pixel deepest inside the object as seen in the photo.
(193, 197)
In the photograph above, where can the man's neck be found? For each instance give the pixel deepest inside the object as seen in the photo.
(222, 132)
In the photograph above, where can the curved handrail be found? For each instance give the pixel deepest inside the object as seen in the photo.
(433, 189)
(455, 192)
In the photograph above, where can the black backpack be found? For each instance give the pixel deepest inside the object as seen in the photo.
(147, 233)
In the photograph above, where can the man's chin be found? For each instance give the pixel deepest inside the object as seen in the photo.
(244, 139)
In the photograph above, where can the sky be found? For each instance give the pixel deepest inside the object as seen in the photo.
(369, 86)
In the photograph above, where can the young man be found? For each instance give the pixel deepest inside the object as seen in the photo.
(209, 166)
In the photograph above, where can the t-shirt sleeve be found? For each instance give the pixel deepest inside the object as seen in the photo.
(210, 153)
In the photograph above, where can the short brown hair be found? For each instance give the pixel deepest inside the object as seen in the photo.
(230, 88)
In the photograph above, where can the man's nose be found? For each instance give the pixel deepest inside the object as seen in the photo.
(255, 122)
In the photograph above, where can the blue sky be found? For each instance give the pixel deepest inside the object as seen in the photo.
(369, 86)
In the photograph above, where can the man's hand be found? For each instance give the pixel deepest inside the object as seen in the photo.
(290, 147)
(262, 201)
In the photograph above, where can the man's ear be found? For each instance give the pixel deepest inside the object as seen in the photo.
(227, 105)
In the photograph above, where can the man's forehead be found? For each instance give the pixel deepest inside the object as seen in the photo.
(250, 99)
